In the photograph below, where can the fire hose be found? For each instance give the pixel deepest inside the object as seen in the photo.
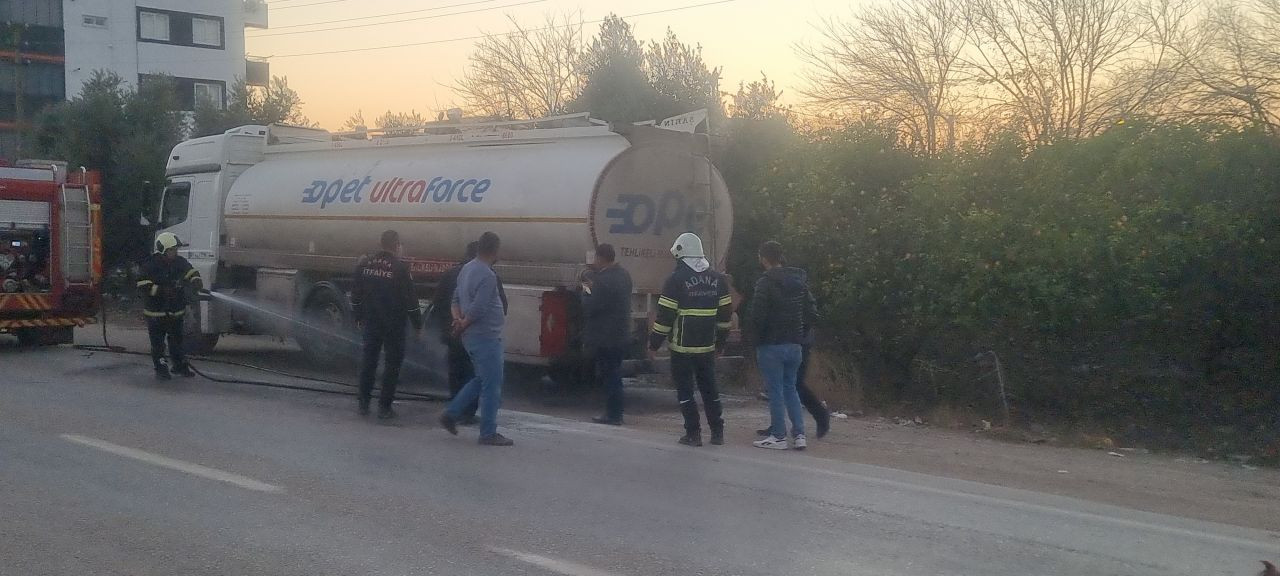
(106, 346)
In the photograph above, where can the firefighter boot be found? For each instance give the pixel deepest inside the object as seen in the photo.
(162, 371)
(185, 371)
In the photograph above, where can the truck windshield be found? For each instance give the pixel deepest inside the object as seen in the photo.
(173, 209)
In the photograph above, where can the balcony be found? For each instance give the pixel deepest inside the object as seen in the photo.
(255, 14)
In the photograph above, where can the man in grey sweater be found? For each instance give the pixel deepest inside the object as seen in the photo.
(478, 320)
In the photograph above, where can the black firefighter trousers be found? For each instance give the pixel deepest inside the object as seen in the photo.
(685, 369)
(379, 337)
(160, 328)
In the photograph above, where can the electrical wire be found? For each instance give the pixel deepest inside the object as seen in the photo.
(387, 15)
(402, 20)
(305, 5)
(480, 36)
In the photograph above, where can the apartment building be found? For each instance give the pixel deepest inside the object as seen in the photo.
(50, 48)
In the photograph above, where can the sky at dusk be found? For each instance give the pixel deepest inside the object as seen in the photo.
(745, 37)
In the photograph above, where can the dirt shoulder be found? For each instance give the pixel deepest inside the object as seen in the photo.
(1180, 486)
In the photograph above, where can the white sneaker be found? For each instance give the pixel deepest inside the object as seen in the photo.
(799, 443)
(771, 443)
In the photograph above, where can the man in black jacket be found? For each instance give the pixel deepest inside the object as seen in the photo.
(164, 280)
(814, 405)
(606, 303)
(383, 298)
(782, 309)
(694, 313)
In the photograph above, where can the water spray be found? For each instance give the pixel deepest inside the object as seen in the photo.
(107, 347)
(244, 304)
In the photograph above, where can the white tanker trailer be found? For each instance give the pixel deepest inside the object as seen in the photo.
(279, 215)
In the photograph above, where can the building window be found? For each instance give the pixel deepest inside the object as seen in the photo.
(180, 28)
(153, 26)
(206, 32)
(95, 21)
(190, 92)
(208, 94)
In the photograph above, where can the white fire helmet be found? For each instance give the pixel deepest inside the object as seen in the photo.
(687, 245)
(167, 240)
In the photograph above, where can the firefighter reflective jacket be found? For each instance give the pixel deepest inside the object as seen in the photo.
(383, 293)
(164, 284)
(694, 311)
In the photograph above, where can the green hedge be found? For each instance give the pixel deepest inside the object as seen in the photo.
(1133, 277)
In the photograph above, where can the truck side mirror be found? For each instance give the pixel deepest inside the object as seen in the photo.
(142, 220)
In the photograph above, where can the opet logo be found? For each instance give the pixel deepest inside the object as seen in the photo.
(639, 214)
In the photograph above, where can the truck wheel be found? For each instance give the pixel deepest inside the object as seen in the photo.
(326, 319)
(45, 336)
(571, 372)
(194, 342)
(525, 373)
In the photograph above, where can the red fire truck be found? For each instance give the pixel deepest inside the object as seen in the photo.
(50, 250)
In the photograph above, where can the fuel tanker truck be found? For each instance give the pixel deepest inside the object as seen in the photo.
(276, 217)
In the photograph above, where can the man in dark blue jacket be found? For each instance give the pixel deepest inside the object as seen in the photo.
(383, 298)
(606, 303)
(165, 279)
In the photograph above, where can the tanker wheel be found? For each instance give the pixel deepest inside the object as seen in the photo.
(572, 372)
(325, 319)
(525, 373)
(194, 342)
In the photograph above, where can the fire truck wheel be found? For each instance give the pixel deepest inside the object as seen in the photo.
(45, 336)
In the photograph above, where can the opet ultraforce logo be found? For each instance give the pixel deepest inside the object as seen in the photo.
(438, 190)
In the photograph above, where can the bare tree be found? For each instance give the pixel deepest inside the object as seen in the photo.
(1230, 64)
(901, 60)
(527, 73)
(1150, 81)
(1049, 61)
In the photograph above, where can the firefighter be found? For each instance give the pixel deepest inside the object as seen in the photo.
(694, 313)
(383, 298)
(165, 281)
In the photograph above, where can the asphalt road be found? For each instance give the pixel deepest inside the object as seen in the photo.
(105, 471)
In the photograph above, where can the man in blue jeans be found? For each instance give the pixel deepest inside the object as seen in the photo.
(478, 322)
(781, 310)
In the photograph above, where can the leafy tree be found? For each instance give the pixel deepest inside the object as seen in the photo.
(126, 134)
(355, 121)
(677, 71)
(625, 82)
(759, 100)
(757, 136)
(399, 120)
(275, 103)
(616, 86)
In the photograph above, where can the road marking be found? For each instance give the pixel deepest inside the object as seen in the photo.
(165, 462)
(553, 564)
